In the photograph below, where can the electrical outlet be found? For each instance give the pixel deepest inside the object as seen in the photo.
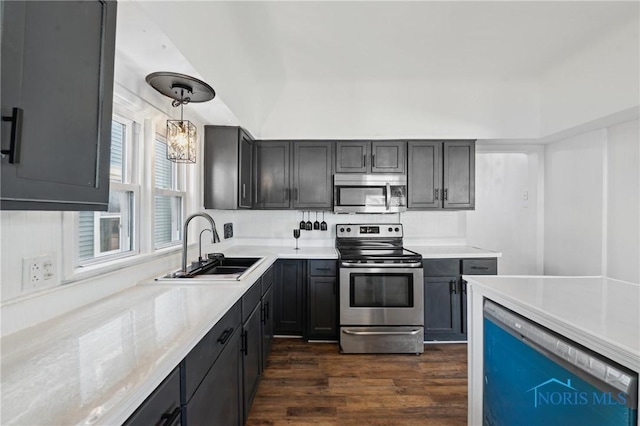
(228, 230)
(37, 272)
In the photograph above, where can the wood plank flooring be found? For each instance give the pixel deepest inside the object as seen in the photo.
(313, 384)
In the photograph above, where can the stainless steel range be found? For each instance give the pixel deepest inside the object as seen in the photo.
(381, 290)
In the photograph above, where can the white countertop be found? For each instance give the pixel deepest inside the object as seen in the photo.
(444, 252)
(97, 364)
(600, 313)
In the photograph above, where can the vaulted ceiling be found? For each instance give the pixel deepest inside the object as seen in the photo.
(250, 50)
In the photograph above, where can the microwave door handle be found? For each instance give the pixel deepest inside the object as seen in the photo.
(388, 196)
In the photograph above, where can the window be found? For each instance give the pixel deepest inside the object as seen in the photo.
(168, 198)
(105, 235)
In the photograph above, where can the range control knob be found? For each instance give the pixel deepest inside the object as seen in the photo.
(348, 229)
(341, 229)
(390, 229)
(397, 229)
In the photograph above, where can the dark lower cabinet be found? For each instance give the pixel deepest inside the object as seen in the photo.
(267, 325)
(322, 300)
(290, 280)
(251, 358)
(162, 407)
(218, 399)
(445, 295)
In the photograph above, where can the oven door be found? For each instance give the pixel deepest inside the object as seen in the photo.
(381, 296)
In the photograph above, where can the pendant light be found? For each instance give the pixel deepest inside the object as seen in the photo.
(183, 89)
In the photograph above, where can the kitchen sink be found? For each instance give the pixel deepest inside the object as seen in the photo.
(216, 267)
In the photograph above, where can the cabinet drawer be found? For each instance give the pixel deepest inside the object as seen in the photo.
(250, 299)
(322, 268)
(202, 357)
(164, 401)
(441, 267)
(480, 266)
(267, 279)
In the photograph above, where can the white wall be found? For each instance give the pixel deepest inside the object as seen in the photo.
(574, 205)
(623, 202)
(592, 197)
(599, 80)
(404, 109)
(508, 213)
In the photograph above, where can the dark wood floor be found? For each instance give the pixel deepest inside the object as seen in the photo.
(312, 383)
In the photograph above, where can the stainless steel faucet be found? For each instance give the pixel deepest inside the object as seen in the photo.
(214, 238)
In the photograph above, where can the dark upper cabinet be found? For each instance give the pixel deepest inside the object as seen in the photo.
(57, 97)
(312, 173)
(370, 157)
(271, 175)
(353, 157)
(162, 406)
(289, 297)
(228, 171)
(425, 174)
(441, 175)
(459, 175)
(388, 156)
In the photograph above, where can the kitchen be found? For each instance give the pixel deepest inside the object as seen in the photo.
(554, 113)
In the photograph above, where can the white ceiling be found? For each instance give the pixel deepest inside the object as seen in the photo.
(240, 46)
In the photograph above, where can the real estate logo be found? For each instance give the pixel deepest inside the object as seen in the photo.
(554, 392)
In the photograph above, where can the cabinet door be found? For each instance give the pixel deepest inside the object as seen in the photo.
(353, 157)
(442, 316)
(459, 175)
(57, 68)
(245, 187)
(323, 305)
(272, 175)
(162, 406)
(252, 358)
(218, 400)
(388, 156)
(267, 326)
(424, 178)
(288, 295)
(312, 171)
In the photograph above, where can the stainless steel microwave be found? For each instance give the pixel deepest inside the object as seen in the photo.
(369, 193)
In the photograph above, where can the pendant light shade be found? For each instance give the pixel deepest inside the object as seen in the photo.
(181, 141)
(183, 89)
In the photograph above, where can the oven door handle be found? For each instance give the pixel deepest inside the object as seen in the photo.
(388, 195)
(382, 333)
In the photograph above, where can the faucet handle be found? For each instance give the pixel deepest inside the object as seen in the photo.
(215, 256)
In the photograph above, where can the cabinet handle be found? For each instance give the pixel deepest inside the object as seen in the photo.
(453, 288)
(16, 135)
(322, 269)
(481, 268)
(170, 418)
(437, 194)
(287, 194)
(225, 335)
(266, 311)
(445, 194)
(373, 160)
(263, 318)
(245, 349)
(364, 160)
(464, 286)
(244, 190)
(295, 193)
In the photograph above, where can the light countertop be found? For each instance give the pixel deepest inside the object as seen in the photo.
(97, 364)
(600, 313)
(444, 252)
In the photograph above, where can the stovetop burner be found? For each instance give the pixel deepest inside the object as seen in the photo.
(373, 243)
